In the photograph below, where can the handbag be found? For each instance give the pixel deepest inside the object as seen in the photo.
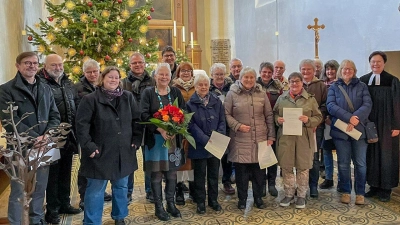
(370, 128)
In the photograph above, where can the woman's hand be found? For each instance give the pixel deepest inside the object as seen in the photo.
(349, 127)
(328, 120)
(244, 128)
(303, 118)
(281, 120)
(164, 134)
(94, 153)
(270, 142)
(395, 133)
(354, 120)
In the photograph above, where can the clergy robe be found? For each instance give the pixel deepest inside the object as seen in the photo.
(383, 156)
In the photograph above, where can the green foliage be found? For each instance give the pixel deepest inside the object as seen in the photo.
(181, 57)
(107, 31)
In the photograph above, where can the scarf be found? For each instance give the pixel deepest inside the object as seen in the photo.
(136, 80)
(187, 85)
(204, 100)
(112, 94)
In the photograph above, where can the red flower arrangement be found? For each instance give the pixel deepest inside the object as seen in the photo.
(173, 120)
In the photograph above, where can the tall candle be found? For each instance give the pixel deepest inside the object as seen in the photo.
(174, 28)
(183, 34)
(191, 39)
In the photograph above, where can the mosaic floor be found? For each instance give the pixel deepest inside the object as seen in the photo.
(326, 210)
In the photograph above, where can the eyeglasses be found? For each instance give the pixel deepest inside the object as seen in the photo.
(218, 74)
(294, 81)
(347, 69)
(168, 55)
(29, 63)
(136, 63)
(186, 71)
(90, 72)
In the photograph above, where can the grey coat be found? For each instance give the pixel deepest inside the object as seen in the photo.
(251, 108)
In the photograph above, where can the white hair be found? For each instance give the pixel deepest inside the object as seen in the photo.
(201, 77)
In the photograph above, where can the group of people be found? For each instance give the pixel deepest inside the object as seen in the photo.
(106, 112)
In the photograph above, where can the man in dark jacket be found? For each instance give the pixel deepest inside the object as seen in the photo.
(29, 95)
(169, 56)
(138, 79)
(235, 66)
(59, 185)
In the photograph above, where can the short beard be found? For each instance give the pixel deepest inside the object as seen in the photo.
(55, 75)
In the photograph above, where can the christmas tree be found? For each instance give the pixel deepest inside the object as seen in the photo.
(108, 31)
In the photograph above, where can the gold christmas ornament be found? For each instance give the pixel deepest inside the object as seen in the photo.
(105, 13)
(99, 47)
(86, 58)
(144, 12)
(115, 49)
(123, 74)
(131, 3)
(142, 41)
(143, 29)
(125, 14)
(64, 23)
(70, 5)
(103, 67)
(101, 61)
(51, 37)
(76, 70)
(84, 17)
(71, 52)
(105, 24)
(41, 48)
(120, 61)
(37, 25)
(120, 40)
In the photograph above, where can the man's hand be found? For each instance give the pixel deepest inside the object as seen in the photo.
(94, 153)
(395, 133)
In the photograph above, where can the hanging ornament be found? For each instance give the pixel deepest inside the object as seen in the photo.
(123, 73)
(51, 37)
(90, 4)
(76, 70)
(125, 14)
(101, 61)
(41, 48)
(152, 9)
(115, 49)
(95, 21)
(131, 3)
(50, 18)
(71, 52)
(119, 32)
(148, 55)
(130, 40)
(149, 17)
(105, 13)
(103, 67)
(107, 58)
(84, 17)
(142, 41)
(30, 38)
(99, 47)
(84, 38)
(37, 25)
(86, 58)
(70, 5)
(64, 23)
(119, 61)
(119, 1)
(120, 40)
(144, 12)
(143, 29)
(81, 52)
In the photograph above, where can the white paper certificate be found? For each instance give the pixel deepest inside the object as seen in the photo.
(266, 155)
(217, 144)
(343, 126)
(292, 124)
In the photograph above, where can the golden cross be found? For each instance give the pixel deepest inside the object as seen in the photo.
(316, 28)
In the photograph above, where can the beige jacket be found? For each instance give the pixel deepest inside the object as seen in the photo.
(250, 108)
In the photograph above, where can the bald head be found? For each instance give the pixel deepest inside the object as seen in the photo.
(318, 67)
(53, 64)
(279, 69)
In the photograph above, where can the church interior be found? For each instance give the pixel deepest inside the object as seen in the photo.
(210, 31)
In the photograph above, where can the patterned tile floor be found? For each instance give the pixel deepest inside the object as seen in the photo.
(326, 210)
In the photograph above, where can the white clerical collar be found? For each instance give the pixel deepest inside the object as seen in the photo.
(377, 79)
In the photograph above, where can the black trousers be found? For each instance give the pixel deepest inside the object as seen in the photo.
(226, 169)
(201, 168)
(82, 183)
(246, 172)
(272, 171)
(59, 182)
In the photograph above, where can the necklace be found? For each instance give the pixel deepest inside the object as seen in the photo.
(159, 97)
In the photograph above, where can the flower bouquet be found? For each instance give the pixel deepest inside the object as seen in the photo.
(173, 120)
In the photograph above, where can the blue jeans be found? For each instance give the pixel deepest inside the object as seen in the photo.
(356, 151)
(94, 200)
(328, 160)
(36, 212)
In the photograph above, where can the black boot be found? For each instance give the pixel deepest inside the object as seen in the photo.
(159, 208)
(326, 184)
(179, 195)
(170, 186)
(191, 191)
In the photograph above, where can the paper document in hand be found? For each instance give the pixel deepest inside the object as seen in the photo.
(217, 144)
(266, 155)
(343, 126)
(292, 124)
(54, 153)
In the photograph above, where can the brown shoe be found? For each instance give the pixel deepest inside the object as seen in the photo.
(228, 189)
(360, 200)
(346, 198)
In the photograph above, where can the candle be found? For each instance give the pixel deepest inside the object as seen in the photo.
(183, 34)
(191, 39)
(174, 28)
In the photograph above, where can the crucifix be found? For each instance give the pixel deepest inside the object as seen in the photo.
(316, 29)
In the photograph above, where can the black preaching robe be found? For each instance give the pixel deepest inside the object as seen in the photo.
(383, 156)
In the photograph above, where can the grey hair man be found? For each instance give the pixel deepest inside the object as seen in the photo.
(235, 66)
(279, 70)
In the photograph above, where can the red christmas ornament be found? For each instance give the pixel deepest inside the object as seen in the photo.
(130, 39)
(119, 1)
(107, 58)
(119, 32)
(148, 55)
(90, 4)
(30, 38)
(81, 52)
(149, 17)
(50, 18)
(151, 9)
(95, 21)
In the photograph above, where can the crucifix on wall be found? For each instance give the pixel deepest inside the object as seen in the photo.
(316, 29)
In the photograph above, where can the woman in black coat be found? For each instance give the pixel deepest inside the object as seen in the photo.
(108, 132)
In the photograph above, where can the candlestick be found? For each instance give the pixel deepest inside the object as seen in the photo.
(174, 28)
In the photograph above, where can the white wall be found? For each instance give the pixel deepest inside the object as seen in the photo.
(353, 30)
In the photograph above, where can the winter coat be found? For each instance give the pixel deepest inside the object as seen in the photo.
(110, 130)
(205, 120)
(186, 94)
(338, 107)
(251, 108)
(297, 151)
(43, 107)
(83, 87)
(227, 85)
(318, 88)
(273, 89)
